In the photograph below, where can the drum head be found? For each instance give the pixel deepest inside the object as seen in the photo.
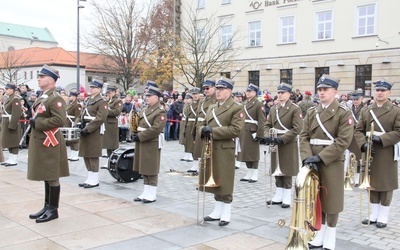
(124, 166)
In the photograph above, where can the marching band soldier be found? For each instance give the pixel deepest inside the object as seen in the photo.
(190, 122)
(356, 109)
(182, 130)
(152, 120)
(287, 119)
(223, 122)
(47, 152)
(111, 135)
(73, 116)
(203, 104)
(251, 134)
(93, 116)
(10, 126)
(385, 150)
(327, 132)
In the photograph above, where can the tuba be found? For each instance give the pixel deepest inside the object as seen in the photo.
(307, 212)
(206, 160)
(365, 184)
(133, 120)
(273, 150)
(350, 172)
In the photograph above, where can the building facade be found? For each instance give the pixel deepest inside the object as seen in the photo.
(296, 41)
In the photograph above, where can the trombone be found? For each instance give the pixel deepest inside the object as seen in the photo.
(365, 184)
(273, 150)
(206, 160)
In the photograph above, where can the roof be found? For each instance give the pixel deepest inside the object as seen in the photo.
(39, 56)
(58, 56)
(26, 32)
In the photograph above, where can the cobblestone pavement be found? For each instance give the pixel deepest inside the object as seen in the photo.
(171, 221)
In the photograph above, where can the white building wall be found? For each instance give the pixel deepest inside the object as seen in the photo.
(344, 46)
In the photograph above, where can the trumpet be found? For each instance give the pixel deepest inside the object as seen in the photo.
(365, 184)
(206, 160)
(350, 172)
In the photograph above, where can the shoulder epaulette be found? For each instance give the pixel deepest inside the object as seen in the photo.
(344, 107)
(55, 93)
(312, 108)
(294, 104)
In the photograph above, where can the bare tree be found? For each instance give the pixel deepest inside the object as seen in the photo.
(119, 33)
(11, 62)
(201, 50)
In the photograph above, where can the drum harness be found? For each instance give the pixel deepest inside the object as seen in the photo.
(91, 118)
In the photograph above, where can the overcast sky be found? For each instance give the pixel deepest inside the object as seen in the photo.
(59, 16)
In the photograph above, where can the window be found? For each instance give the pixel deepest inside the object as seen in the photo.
(324, 25)
(254, 77)
(226, 74)
(26, 75)
(201, 39)
(225, 1)
(366, 21)
(318, 73)
(287, 30)
(104, 79)
(90, 79)
(286, 76)
(201, 4)
(255, 34)
(226, 37)
(363, 78)
(31, 74)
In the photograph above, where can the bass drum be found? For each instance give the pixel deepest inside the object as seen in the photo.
(120, 165)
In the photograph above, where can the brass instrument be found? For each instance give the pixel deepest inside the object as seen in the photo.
(207, 157)
(273, 150)
(365, 184)
(306, 218)
(133, 120)
(267, 173)
(350, 172)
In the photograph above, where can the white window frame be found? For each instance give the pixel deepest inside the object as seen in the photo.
(284, 30)
(201, 38)
(365, 19)
(225, 1)
(324, 24)
(201, 4)
(226, 36)
(255, 35)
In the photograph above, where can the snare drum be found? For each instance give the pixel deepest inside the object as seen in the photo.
(120, 165)
(70, 134)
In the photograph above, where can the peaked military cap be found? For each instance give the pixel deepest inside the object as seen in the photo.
(153, 91)
(209, 82)
(49, 71)
(252, 87)
(152, 84)
(285, 87)
(383, 85)
(96, 84)
(327, 81)
(195, 90)
(224, 82)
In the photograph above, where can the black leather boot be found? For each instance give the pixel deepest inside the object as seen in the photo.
(46, 202)
(52, 210)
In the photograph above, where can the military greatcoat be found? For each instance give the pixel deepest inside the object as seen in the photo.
(202, 108)
(254, 123)
(90, 145)
(147, 151)
(111, 135)
(338, 122)
(46, 163)
(354, 148)
(291, 117)
(10, 126)
(383, 174)
(73, 112)
(190, 119)
(182, 125)
(231, 117)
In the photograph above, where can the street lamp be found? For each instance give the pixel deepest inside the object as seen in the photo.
(78, 66)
